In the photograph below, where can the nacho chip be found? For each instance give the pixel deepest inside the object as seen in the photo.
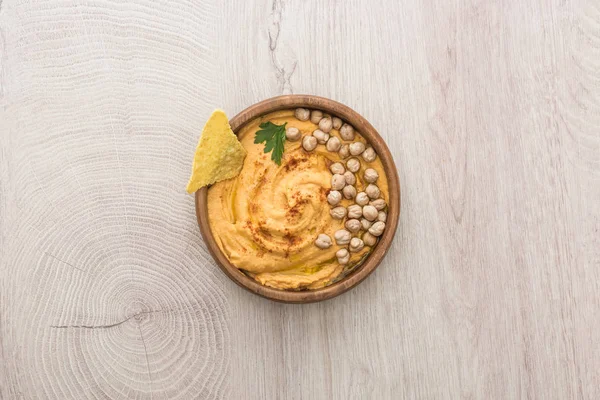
(219, 155)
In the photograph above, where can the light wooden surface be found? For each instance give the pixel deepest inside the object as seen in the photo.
(491, 109)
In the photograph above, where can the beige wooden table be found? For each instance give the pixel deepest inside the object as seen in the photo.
(492, 287)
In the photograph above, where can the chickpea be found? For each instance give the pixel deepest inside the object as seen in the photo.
(370, 213)
(323, 241)
(338, 212)
(353, 165)
(315, 116)
(334, 197)
(321, 136)
(338, 182)
(356, 244)
(382, 216)
(362, 199)
(377, 228)
(302, 114)
(309, 143)
(333, 144)
(350, 178)
(379, 204)
(371, 175)
(293, 134)
(343, 256)
(349, 192)
(337, 168)
(342, 237)
(344, 151)
(365, 223)
(372, 191)
(337, 123)
(325, 124)
(369, 154)
(369, 239)
(357, 148)
(354, 211)
(353, 225)
(347, 132)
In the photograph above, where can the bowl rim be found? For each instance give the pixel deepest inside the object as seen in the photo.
(373, 260)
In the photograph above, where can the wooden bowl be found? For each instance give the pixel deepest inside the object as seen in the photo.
(360, 273)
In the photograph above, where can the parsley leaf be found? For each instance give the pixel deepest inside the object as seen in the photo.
(273, 136)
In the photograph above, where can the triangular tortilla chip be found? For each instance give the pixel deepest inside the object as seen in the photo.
(219, 154)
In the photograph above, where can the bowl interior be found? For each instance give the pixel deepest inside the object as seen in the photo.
(372, 261)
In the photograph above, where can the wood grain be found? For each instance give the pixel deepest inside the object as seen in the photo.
(106, 288)
(491, 110)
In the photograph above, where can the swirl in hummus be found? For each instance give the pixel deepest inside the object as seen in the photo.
(267, 218)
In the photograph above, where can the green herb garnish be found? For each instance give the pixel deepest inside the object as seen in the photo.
(274, 138)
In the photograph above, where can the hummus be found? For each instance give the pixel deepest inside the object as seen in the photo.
(267, 218)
